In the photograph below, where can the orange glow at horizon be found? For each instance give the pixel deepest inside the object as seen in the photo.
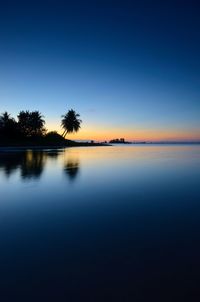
(105, 134)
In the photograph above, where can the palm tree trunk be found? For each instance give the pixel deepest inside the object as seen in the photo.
(64, 133)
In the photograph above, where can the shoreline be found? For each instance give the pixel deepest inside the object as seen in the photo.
(46, 147)
(15, 147)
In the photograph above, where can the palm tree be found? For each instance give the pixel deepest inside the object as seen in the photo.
(8, 126)
(5, 119)
(37, 123)
(24, 123)
(31, 123)
(70, 122)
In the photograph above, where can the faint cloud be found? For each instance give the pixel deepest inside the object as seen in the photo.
(92, 110)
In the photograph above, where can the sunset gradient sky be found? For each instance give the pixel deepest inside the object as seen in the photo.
(130, 68)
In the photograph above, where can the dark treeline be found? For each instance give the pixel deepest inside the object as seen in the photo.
(28, 124)
(29, 127)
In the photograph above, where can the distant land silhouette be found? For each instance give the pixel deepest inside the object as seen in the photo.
(29, 131)
(119, 141)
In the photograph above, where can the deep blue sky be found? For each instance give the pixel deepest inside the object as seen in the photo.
(130, 68)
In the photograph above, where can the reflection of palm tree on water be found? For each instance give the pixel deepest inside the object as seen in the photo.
(9, 162)
(71, 168)
(30, 163)
(33, 164)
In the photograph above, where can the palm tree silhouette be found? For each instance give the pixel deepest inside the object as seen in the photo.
(70, 122)
(31, 123)
(8, 125)
(37, 123)
(5, 119)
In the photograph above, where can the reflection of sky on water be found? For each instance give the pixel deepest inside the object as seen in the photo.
(125, 216)
(114, 173)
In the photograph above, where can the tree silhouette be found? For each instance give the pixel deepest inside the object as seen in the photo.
(4, 118)
(31, 124)
(70, 122)
(8, 125)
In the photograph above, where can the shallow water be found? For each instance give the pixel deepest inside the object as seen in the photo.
(118, 223)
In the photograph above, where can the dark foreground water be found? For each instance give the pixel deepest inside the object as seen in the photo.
(100, 224)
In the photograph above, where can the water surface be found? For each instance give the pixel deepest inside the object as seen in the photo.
(117, 223)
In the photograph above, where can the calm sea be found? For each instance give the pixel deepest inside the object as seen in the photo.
(118, 223)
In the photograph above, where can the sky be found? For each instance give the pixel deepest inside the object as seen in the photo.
(130, 68)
